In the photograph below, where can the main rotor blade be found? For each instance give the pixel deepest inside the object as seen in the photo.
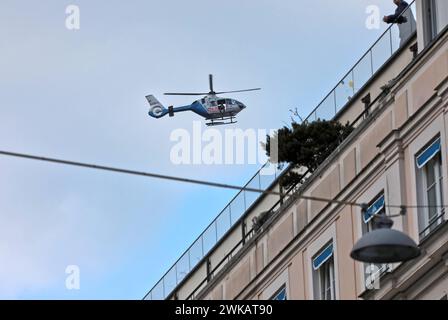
(247, 90)
(210, 80)
(185, 94)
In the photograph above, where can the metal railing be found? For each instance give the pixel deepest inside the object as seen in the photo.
(358, 76)
(228, 217)
(371, 62)
(432, 224)
(247, 236)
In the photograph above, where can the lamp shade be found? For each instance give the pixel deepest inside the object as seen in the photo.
(385, 246)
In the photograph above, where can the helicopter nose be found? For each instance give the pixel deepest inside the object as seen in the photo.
(242, 106)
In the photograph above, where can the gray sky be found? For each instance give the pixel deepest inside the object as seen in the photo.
(80, 95)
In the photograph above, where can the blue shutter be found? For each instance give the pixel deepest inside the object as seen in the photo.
(323, 257)
(281, 296)
(429, 153)
(374, 209)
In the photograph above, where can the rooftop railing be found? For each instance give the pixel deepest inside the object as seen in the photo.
(228, 217)
(370, 63)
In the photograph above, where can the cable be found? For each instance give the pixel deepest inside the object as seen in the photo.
(416, 206)
(194, 181)
(132, 172)
(161, 176)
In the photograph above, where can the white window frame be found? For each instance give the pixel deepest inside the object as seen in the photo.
(429, 8)
(367, 227)
(425, 225)
(435, 18)
(324, 277)
(312, 250)
(328, 284)
(436, 12)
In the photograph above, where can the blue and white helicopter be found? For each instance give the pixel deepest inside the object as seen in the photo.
(217, 110)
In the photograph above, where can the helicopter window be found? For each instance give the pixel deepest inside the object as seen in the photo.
(203, 101)
(223, 101)
(213, 103)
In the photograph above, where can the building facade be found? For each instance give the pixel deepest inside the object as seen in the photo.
(288, 247)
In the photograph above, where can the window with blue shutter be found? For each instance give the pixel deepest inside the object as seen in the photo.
(281, 295)
(374, 209)
(323, 257)
(425, 156)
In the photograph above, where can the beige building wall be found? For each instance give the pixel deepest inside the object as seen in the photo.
(381, 157)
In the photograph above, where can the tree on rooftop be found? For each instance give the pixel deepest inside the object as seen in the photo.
(306, 145)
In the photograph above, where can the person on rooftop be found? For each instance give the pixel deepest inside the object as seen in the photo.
(398, 16)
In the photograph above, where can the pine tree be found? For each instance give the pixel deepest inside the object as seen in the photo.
(307, 144)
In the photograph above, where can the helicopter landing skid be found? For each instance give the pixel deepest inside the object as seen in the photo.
(221, 121)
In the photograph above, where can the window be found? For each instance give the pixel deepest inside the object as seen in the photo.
(435, 15)
(442, 15)
(430, 20)
(323, 274)
(280, 295)
(372, 272)
(430, 191)
(375, 208)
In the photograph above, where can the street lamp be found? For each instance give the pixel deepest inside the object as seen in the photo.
(385, 245)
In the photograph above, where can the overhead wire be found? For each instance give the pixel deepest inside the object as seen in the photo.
(196, 181)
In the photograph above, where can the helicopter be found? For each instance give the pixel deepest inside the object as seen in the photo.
(216, 110)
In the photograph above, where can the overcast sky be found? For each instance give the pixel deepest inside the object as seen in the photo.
(80, 95)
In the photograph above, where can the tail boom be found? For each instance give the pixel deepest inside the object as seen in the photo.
(156, 110)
